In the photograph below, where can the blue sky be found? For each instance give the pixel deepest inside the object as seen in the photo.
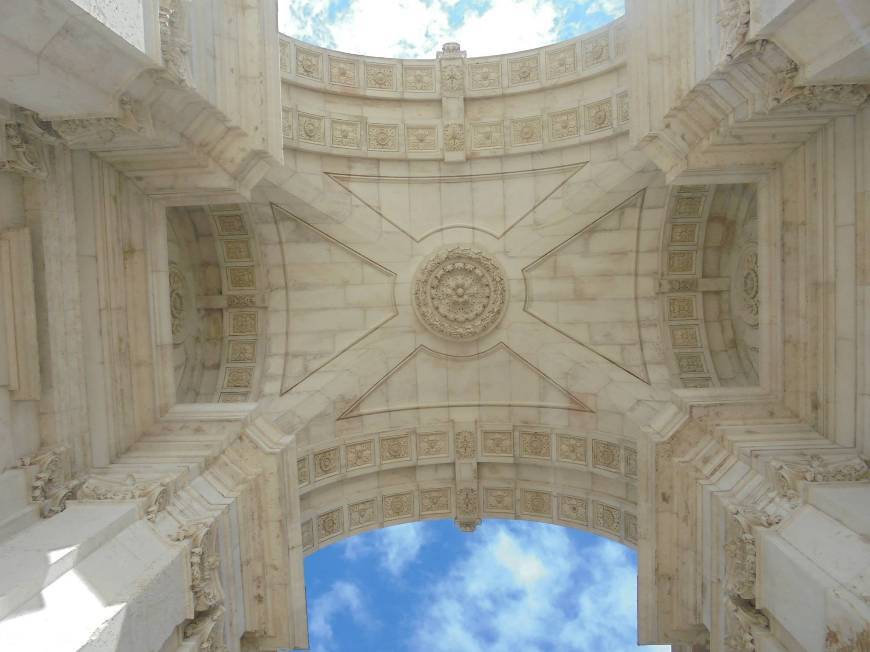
(510, 586)
(417, 28)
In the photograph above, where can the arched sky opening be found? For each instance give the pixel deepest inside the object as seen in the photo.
(416, 29)
(507, 586)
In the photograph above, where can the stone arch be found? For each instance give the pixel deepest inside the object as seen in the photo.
(216, 303)
(468, 472)
(709, 285)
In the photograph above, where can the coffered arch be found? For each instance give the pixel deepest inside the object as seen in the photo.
(468, 472)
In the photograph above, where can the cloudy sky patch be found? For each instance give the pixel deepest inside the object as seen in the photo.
(510, 586)
(418, 28)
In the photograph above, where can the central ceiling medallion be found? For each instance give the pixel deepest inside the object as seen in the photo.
(460, 292)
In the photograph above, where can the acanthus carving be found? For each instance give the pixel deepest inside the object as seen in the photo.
(50, 487)
(733, 22)
(20, 153)
(152, 496)
(133, 120)
(741, 551)
(787, 476)
(174, 42)
(786, 92)
(207, 631)
(742, 619)
(204, 566)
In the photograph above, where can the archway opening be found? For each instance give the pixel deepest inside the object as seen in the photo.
(508, 585)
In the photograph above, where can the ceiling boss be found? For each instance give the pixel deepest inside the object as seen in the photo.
(459, 292)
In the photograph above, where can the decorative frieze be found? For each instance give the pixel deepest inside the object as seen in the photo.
(435, 501)
(496, 499)
(330, 525)
(498, 443)
(572, 449)
(432, 444)
(535, 444)
(398, 506)
(527, 131)
(573, 509)
(381, 76)
(383, 138)
(607, 518)
(564, 124)
(524, 70)
(485, 76)
(596, 50)
(360, 454)
(465, 445)
(308, 63)
(132, 122)
(561, 61)
(361, 514)
(326, 463)
(787, 476)
(419, 79)
(605, 455)
(396, 448)
(153, 497)
(785, 92)
(598, 116)
(343, 72)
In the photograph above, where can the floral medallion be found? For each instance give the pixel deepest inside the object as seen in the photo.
(460, 293)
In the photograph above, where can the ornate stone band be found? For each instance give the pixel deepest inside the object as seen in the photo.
(459, 292)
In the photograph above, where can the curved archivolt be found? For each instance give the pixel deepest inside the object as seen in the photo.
(468, 472)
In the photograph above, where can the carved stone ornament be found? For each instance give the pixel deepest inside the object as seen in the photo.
(787, 476)
(49, 486)
(741, 552)
(20, 153)
(49, 473)
(460, 293)
(454, 137)
(204, 566)
(174, 42)
(133, 120)
(206, 631)
(733, 22)
(742, 619)
(153, 497)
(787, 93)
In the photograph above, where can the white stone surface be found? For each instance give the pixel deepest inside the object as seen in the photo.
(681, 364)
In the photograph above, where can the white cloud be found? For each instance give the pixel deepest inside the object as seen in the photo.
(528, 587)
(340, 598)
(394, 547)
(613, 8)
(418, 28)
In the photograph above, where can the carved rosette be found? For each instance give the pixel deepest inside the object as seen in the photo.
(460, 293)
